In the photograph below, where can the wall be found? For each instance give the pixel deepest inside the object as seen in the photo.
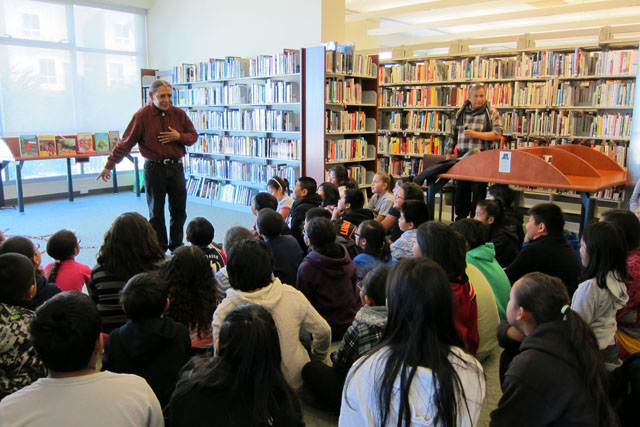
(194, 30)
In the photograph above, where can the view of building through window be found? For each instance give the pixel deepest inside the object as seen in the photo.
(66, 69)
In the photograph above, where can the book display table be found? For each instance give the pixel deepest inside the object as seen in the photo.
(10, 152)
(563, 167)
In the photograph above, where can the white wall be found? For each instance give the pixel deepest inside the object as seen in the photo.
(195, 30)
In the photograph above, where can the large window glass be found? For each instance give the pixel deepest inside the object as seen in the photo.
(65, 69)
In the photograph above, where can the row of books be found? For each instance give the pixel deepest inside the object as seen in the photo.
(410, 145)
(344, 90)
(211, 189)
(563, 123)
(274, 148)
(348, 149)
(34, 146)
(417, 121)
(271, 92)
(342, 59)
(261, 120)
(612, 93)
(543, 64)
(232, 67)
(400, 167)
(498, 94)
(345, 121)
(238, 170)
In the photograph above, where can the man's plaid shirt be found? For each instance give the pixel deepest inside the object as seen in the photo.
(477, 123)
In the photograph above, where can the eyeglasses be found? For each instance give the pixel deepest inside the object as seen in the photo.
(356, 234)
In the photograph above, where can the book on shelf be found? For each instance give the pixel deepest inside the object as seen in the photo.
(342, 59)
(47, 146)
(114, 138)
(400, 167)
(410, 145)
(66, 145)
(274, 148)
(349, 149)
(28, 146)
(85, 142)
(101, 142)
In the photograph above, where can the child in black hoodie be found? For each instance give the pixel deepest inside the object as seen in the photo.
(149, 345)
(351, 211)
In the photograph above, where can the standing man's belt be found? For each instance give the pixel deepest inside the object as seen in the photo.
(166, 161)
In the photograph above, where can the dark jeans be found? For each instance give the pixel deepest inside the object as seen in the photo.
(325, 383)
(162, 180)
(468, 193)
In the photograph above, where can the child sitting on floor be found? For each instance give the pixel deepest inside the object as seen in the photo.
(279, 188)
(260, 201)
(150, 344)
(382, 199)
(371, 237)
(65, 272)
(412, 214)
(232, 236)
(200, 233)
(286, 251)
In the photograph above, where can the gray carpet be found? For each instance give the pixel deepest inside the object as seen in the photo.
(91, 216)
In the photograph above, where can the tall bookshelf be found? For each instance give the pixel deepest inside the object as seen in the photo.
(248, 114)
(556, 96)
(342, 87)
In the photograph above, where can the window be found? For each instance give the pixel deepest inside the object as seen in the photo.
(31, 24)
(68, 68)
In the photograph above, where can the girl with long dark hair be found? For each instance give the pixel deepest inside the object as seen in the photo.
(192, 291)
(279, 188)
(330, 196)
(419, 374)
(558, 378)
(505, 240)
(371, 237)
(243, 385)
(603, 251)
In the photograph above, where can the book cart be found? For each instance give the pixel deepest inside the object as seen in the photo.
(10, 152)
(565, 167)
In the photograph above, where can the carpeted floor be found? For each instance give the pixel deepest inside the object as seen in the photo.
(91, 216)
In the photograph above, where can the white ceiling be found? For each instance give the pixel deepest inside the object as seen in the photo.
(496, 23)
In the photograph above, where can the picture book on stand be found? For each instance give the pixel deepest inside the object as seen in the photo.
(85, 142)
(47, 145)
(66, 146)
(102, 142)
(114, 138)
(28, 146)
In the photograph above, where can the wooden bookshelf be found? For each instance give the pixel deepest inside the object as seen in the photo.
(342, 89)
(248, 113)
(557, 96)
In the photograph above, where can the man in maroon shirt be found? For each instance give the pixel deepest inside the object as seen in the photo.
(161, 131)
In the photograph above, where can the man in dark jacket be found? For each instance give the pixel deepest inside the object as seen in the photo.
(306, 198)
(548, 250)
(149, 345)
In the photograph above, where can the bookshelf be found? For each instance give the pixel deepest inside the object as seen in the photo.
(545, 97)
(248, 113)
(342, 87)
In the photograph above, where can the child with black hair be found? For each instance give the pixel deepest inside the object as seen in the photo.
(286, 251)
(603, 250)
(22, 245)
(351, 209)
(504, 239)
(150, 344)
(250, 269)
(328, 277)
(371, 237)
(363, 335)
(513, 219)
(200, 233)
(65, 272)
(260, 201)
(306, 198)
(231, 237)
(412, 214)
(330, 196)
(341, 238)
(192, 290)
(65, 331)
(19, 363)
(339, 176)
(402, 192)
(279, 188)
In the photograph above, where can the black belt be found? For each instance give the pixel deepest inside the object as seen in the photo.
(166, 161)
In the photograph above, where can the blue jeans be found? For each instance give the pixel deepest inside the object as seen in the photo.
(162, 180)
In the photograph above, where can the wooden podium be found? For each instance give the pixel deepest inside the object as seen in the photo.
(562, 167)
(10, 152)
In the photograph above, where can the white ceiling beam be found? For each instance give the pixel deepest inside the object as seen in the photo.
(420, 7)
(532, 13)
(534, 30)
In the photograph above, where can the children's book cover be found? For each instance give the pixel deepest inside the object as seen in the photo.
(85, 142)
(28, 146)
(102, 142)
(114, 138)
(66, 146)
(47, 145)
